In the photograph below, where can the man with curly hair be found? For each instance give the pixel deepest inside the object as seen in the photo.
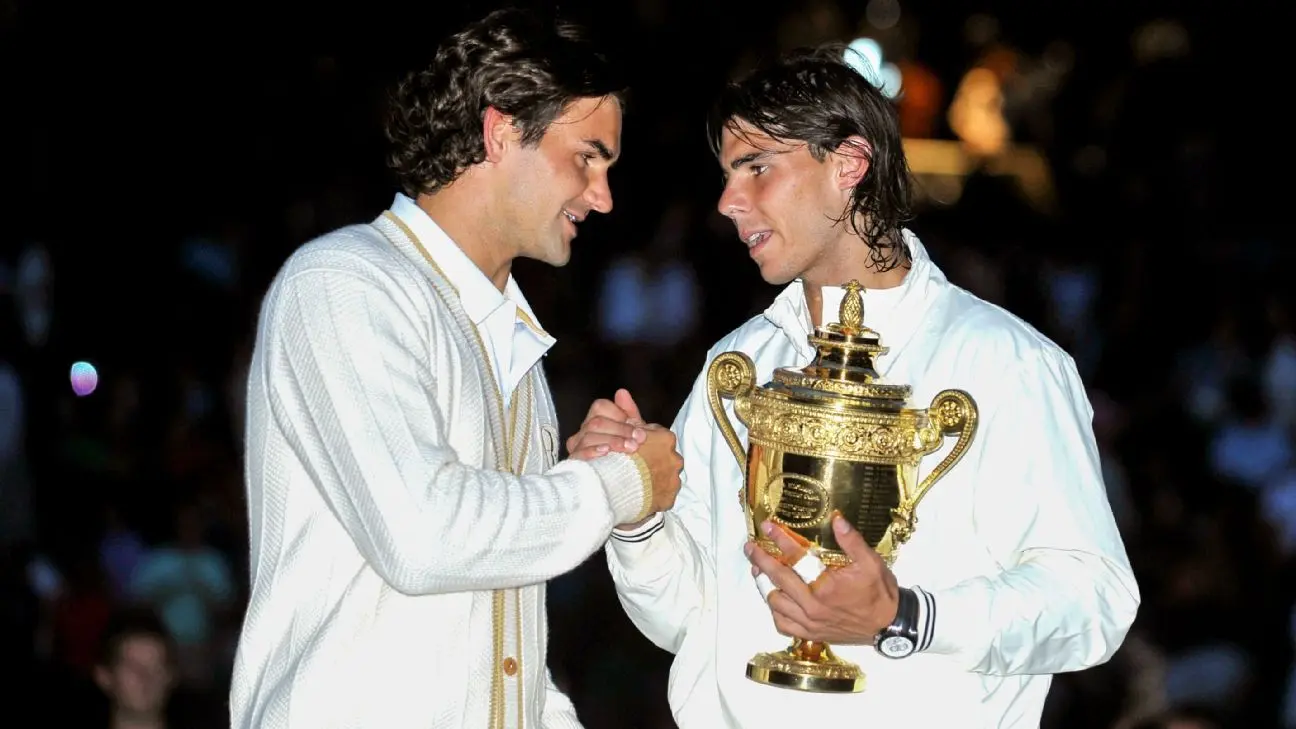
(405, 494)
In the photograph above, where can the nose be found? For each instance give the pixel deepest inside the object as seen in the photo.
(599, 194)
(732, 201)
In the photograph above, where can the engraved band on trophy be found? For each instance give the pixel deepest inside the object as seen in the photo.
(833, 437)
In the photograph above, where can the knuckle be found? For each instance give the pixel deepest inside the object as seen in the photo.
(607, 425)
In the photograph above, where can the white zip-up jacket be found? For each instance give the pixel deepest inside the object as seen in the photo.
(1016, 544)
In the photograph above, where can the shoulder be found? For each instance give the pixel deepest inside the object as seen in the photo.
(359, 251)
(994, 339)
(752, 337)
(357, 260)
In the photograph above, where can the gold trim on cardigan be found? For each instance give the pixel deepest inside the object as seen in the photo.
(504, 462)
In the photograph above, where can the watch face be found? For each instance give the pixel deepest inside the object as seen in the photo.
(896, 646)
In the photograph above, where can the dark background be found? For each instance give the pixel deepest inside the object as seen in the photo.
(163, 160)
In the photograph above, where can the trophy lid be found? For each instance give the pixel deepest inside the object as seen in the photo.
(843, 365)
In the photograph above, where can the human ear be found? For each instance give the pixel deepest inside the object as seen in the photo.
(498, 133)
(851, 161)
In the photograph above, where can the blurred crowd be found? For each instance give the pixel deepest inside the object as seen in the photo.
(123, 537)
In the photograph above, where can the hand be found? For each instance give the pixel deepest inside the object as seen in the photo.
(664, 464)
(610, 425)
(846, 605)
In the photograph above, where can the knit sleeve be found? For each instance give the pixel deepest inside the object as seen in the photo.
(352, 386)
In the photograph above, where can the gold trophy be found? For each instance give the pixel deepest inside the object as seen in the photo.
(833, 438)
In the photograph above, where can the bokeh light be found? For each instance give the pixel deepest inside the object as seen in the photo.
(84, 378)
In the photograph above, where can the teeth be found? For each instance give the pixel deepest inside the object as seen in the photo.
(571, 217)
(754, 237)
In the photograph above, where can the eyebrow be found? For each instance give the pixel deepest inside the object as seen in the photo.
(601, 148)
(747, 159)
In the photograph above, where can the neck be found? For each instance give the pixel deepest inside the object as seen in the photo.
(460, 209)
(856, 268)
(131, 720)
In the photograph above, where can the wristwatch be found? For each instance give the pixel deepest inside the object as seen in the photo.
(900, 638)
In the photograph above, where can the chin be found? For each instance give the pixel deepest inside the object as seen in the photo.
(558, 256)
(776, 277)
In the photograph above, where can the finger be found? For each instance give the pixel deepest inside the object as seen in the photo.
(589, 453)
(783, 606)
(624, 401)
(604, 408)
(789, 627)
(614, 442)
(793, 546)
(619, 428)
(852, 542)
(780, 574)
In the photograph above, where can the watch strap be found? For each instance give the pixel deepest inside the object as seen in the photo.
(925, 624)
(905, 623)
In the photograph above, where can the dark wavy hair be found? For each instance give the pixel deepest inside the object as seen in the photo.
(526, 65)
(812, 96)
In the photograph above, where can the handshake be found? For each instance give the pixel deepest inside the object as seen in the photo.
(616, 425)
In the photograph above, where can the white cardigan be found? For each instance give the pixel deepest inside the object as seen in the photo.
(397, 572)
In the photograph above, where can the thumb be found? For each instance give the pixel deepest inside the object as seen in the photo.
(851, 541)
(624, 401)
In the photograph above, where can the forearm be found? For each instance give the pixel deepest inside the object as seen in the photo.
(660, 575)
(1054, 612)
(455, 527)
(370, 420)
(1066, 596)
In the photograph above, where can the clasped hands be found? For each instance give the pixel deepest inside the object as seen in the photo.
(616, 425)
(844, 605)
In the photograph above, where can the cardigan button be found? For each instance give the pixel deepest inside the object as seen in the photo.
(510, 666)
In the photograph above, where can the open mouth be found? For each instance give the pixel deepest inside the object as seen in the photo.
(572, 220)
(756, 241)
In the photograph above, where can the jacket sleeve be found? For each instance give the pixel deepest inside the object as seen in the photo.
(1066, 595)
(558, 711)
(351, 382)
(662, 569)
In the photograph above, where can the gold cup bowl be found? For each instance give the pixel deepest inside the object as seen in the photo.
(829, 438)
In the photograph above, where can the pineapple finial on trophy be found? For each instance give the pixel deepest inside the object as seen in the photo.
(850, 314)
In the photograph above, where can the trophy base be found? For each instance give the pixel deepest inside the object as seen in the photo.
(827, 675)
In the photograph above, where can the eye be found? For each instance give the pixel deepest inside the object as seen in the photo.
(587, 158)
(758, 170)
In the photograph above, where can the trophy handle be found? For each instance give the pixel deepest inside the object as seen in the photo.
(952, 412)
(731, 375)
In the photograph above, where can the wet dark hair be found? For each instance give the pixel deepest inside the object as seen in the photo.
(813, 97)
(526, 65)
